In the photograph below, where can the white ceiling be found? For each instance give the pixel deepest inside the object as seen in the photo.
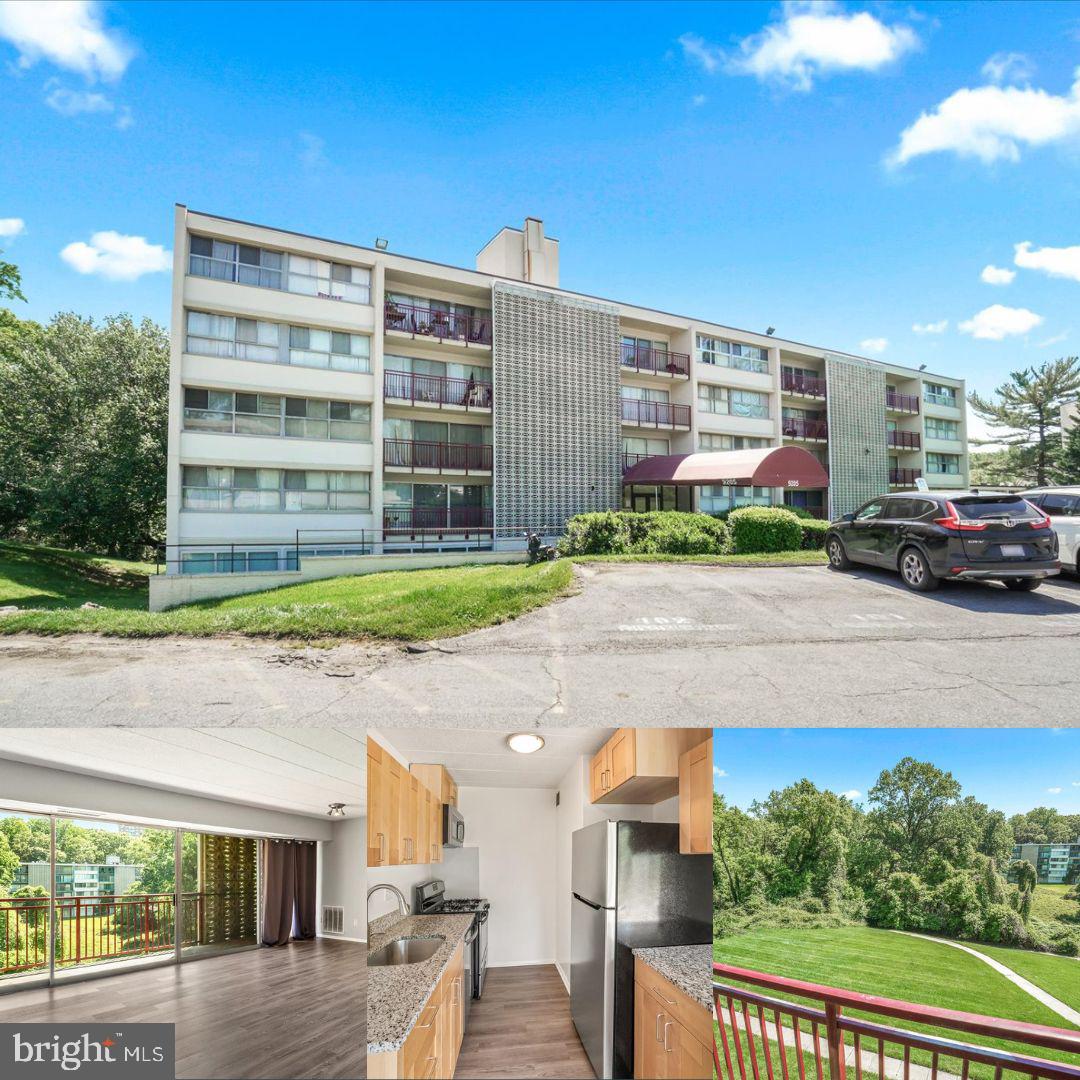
(482, 758)
(301, 770)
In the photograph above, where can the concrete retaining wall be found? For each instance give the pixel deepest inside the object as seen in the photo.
(168, 590)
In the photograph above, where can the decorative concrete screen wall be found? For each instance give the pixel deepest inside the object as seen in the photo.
(557, 426)
(858, 454)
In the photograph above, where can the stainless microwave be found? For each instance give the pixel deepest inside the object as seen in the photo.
(453, 827)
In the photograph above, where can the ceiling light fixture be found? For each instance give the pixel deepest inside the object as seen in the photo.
(337, 809)
(525, 743)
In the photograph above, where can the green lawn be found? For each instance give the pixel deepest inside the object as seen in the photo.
(404, 606)
(49, 578)
(779, 558)
(1057, 975)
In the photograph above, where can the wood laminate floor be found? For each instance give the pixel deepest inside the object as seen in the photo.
(262, 1014)
(521, 1027)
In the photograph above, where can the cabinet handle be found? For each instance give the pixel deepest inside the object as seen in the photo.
(659, 1017)
(667, 1048)
(382, 839)
(666, 1001)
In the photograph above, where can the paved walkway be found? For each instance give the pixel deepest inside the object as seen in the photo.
(1036, 992)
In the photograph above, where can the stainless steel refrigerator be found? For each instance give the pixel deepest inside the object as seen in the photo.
(630, 889)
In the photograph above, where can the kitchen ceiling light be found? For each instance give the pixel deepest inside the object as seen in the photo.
(337, 809)
(525, 743)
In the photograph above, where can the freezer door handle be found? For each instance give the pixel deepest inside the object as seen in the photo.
(589, 903)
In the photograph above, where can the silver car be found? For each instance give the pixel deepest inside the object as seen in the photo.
(1062, 506)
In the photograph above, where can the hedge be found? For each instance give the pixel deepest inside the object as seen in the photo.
(661, 532)
(813, 533)
(757, 529)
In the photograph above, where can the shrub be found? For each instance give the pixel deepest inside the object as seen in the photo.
(801, 513)
(661, 532)
(602, 533)
(813, 533)
(757, 529)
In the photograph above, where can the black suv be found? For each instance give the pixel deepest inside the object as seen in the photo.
(931, 535)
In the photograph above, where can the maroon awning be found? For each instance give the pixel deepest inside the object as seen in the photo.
(772, 466)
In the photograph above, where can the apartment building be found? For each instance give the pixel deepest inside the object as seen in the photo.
(110, 878)
(327, 398)
(1056, 864)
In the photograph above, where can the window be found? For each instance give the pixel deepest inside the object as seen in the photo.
(721, 399)
(712, 441)
(275, 415)
(632, 346)
(943, 463)
(434, 432)
(645, 447)
(900, 510)
(936, 428)
(870, 510)
(732, 354)
(712, 399)
(640, 393)
(937, 394)
(716, 498)
(228, 488)
(1061, 505)
(309, 347)
(337, 281)
(226, 336)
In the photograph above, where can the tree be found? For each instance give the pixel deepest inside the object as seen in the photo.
(1024, 874)
(9, 864)
(10, 281)
(1067, 469)
(1027, 413)
(1044, 825)
(736, 855)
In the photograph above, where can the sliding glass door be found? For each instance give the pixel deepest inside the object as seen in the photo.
(219, 875)
(25, 879)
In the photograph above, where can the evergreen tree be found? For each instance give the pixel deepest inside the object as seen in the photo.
(1067, 469)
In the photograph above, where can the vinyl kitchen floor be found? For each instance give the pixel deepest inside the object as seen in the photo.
(522, 1028)
(293, 1012)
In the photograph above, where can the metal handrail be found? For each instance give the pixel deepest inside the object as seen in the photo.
(436, 390)
(654, 413)
(794, 428)
(809, 385)
(901, 402)
(904, 440)
(413, 319)
(641, 358)
(442, 456)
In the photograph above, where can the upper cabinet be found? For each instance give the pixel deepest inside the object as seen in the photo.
(439, 781)
(641, 765)
(695, 800)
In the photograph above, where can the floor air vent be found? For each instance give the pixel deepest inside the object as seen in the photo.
(333, 920)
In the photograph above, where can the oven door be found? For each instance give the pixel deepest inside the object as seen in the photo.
(467, 982)
(480, 954)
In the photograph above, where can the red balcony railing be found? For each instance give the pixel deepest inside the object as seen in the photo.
(445, 457)
(436, 390)
(423, 322)
(660, 361)
(434, 521)
(904, 476)
(905, 440)
(654, 413)
(759, 1034)
(808, 385)
(901, 402)
(794, 428)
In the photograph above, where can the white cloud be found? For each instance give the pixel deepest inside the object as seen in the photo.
(996, 275)
(991, 123)
(698, 100)
(853, 794)
(1008, 67)
(68, 33)
(1056, 339)
(874, 344)
(10, 227)
(1076, 783)
(1057, 262)
(997, 322)
(938, 327)
(117, 257)
(1053, 791)
(72, 102)
(312, 151)
(812, 40)
(718, 773)
(701, 52)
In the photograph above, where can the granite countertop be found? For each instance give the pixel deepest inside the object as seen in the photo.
(397, 994)
(688, 967)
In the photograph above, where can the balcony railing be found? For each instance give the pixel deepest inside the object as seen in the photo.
(630, 460)
(433, 521)
(654, 413)
(905, 440)
(807, 385)
(907, 477)
(794, 428)
(444, 325)
(443, 457)
(759, 1034)
(901, 402)
(436, 390)
(659, 361)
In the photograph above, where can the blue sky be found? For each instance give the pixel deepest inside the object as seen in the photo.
(1011, 770)
(842, 172)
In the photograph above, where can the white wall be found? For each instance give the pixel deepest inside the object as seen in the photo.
(514, 830)
(342, 875)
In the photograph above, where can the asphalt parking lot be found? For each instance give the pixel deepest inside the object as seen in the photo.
(637, 644)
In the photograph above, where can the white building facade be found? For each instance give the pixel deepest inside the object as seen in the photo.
(330, 399)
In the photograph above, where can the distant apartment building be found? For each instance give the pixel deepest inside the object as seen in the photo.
(322, 392)
(1056, 864)
(1070, 417)
(110, 878)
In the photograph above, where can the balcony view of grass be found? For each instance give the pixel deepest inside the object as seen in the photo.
(49, 588)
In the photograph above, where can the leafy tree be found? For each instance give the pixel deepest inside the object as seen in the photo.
(989, 468)
(9, 864)
(1044, 825)
(10, 281)
(736, 854)
(1024, 874)
(1027, 413)
(1067, 469)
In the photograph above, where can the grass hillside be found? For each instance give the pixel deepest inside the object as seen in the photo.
(49, 587)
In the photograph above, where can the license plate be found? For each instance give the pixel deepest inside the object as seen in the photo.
(1012, 550)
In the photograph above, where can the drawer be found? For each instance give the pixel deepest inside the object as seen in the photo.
(421, 1049)
(678, 1005)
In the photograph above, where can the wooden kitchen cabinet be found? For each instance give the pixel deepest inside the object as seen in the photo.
(435, 829)
(695, 800)
(640, 765)
(409, 810)
(404, 810)
(383, 809)
(672, 1033)
(423, 825)
(439, 781)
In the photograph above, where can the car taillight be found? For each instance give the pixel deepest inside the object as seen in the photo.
(954, 523)
(1043, 522)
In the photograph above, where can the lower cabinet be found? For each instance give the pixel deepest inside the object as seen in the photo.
(672, 1033)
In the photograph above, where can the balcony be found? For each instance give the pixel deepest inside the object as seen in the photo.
(904, 440)
(437, 391)
(654, 414)
(630, 460)
(849, 1036)
(441, 325)
(806, 430)
(905, 403)
(434, 522)
(410, 455)
(904, 477)
(654, 361)
(802, 385)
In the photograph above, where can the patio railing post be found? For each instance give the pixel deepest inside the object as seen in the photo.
(836, 1042)
(78, 929)
(146, 923)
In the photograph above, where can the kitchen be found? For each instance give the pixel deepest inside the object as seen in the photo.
(539, 903)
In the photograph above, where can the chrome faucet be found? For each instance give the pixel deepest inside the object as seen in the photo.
(402, 903)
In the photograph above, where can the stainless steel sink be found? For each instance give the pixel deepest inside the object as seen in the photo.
(405, 951)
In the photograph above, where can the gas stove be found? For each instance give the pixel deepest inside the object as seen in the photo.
(431, 899)
(462, 906)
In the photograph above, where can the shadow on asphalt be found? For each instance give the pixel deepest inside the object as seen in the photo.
(984, 596)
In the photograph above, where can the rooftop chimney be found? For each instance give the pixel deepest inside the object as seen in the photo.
(522, 255)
